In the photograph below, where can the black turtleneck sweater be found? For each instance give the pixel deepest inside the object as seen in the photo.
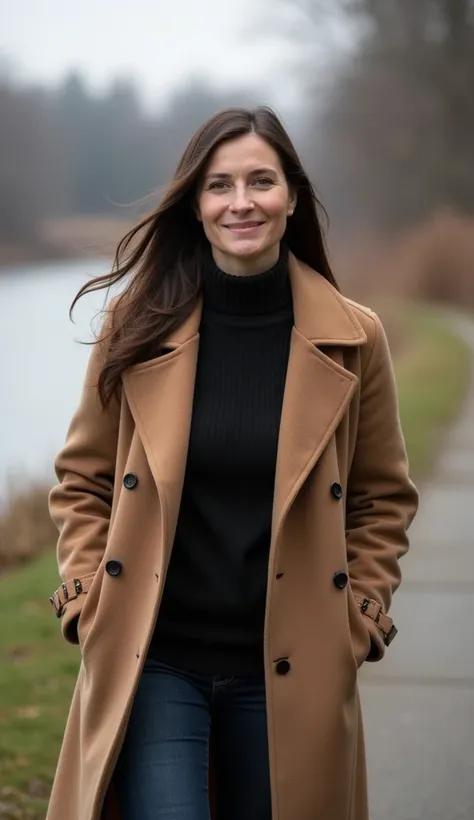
(212, 614)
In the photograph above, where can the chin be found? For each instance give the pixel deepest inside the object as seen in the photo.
(245, 253)
(245, 249)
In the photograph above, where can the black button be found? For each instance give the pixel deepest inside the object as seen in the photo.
(340, 580)
(282, 667)
(113, 567)
(130, 481)
(336, 491)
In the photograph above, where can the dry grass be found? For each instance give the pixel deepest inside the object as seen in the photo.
(26, 529)
(67, 238)
(85, 236)
(433, 262)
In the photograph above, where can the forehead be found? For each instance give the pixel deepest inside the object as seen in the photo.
(242, 155)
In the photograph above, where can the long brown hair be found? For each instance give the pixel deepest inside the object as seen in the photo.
(164, 253)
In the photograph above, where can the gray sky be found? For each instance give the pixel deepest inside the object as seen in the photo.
(159, 42)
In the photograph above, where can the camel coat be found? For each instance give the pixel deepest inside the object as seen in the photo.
(342, 504)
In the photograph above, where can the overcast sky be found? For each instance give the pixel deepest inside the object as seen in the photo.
(159, 42)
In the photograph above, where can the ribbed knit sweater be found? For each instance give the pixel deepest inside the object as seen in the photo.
(211, 618)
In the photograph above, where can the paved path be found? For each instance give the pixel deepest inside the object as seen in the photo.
(419, 701)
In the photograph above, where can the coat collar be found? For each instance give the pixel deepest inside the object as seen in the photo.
(322, 315)
(318, 391)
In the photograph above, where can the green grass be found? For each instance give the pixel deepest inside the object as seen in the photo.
(38, 668)
(432, 377)
(37, 674)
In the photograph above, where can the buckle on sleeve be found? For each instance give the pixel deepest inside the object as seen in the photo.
(372, 609)
(56, 604)
(389, 636)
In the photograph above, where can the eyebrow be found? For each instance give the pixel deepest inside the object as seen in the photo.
(254, 172)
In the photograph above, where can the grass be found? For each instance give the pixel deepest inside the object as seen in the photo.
(432, 377)
(38, 668)
(37, 673)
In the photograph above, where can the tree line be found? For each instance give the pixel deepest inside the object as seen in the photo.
(69, 151)
(387, 125)
(392, 139)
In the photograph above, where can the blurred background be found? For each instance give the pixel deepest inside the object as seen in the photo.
(97, 101)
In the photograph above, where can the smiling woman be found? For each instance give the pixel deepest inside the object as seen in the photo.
(244, 202)
(233, 498)
(217, 184)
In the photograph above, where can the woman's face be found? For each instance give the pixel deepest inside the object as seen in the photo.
(243, 204)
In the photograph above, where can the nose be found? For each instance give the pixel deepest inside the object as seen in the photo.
(241, 199)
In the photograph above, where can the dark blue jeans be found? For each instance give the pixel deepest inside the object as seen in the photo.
(163, 769)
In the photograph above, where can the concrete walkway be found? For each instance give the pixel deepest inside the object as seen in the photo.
(419, 701)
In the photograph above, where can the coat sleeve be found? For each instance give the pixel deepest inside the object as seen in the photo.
(80, 504)
(381, 499)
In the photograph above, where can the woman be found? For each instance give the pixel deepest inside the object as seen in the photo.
(233, 500)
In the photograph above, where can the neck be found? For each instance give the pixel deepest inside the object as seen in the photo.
(246, 265)
(262, 293)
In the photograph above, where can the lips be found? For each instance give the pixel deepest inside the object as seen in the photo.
(242, 227)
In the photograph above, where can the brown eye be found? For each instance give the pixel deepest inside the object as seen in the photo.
(216, 186)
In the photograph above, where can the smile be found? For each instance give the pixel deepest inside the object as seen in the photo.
(244, 227)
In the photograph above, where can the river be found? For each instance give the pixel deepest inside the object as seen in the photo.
(42, 362)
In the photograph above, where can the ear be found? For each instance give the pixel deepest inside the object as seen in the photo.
(197, 212)
(292, 203)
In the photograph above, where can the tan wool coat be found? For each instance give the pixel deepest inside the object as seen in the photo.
(342, 504)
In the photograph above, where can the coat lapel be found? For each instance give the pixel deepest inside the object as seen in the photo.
(318, 389)
(160, 396)
(317, 392)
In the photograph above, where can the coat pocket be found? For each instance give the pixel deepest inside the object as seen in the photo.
(89, 608)
(68, 601)
(359, 633)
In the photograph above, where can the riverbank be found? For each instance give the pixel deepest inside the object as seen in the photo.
(14, 255)
(78, 237)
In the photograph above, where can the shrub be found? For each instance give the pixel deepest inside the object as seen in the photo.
(26, 529)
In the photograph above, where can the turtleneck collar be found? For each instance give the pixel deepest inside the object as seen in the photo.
(250, 294)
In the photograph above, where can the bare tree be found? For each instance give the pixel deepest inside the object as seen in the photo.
(394, 136)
